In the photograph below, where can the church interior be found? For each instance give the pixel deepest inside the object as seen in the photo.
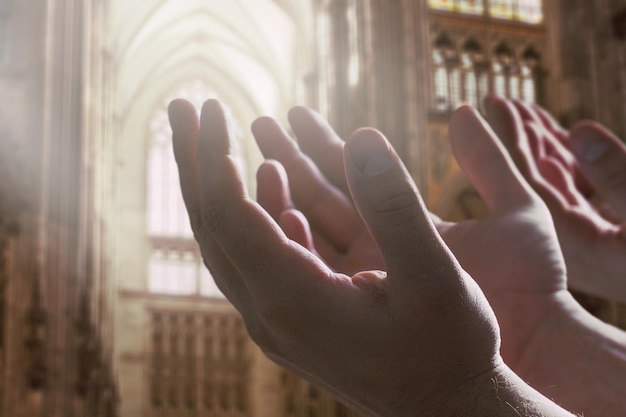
(106, 308)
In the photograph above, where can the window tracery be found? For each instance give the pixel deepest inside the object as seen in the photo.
(466, 77)
(303, 399)
(198, 364)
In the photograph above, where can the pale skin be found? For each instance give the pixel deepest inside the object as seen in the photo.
(547, 338)
(581, 176)
(417, 339)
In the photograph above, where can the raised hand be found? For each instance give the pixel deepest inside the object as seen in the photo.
(569, 172)
(485, 248)
(418, 339)
(513, 254)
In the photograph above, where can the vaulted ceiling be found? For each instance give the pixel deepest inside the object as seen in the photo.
(250, 52)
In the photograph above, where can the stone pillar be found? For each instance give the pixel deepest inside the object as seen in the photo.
(417, 89)
(592, 84)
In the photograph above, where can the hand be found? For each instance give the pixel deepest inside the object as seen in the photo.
(593, 239)
(521, 274)
(418, 339)
(513, 254)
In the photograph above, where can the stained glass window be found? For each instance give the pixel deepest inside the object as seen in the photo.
(528, 11)
(502, 9)
(175, 265)
(471, 6)
(442, 4)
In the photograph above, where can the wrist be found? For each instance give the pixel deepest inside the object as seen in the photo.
(500, 393)
(525, 321)
(577, 360)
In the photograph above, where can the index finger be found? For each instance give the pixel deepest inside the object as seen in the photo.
(319, 141)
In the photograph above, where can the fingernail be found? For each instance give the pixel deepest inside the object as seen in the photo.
(589, 148)
(370, 152)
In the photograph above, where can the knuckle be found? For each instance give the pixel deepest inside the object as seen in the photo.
(395, 204)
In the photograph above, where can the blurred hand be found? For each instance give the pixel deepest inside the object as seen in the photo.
(581, 176)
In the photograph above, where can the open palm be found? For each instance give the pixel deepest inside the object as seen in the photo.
(513, 254)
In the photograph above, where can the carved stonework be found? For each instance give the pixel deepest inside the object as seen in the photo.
(303, 399)
(198, 363)
(36, 372)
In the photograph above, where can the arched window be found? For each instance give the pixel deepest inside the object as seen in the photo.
(440, 75)
(447, 74)
(470, 87)
(469, 76)
(475, 78)
(175, 265)
(529, 70)
(505, 77)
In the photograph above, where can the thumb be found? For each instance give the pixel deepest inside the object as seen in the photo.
(602, 160)
(392, 209)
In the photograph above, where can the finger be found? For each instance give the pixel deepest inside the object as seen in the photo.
(551, 124)
(270, 264)
(185, 125)
(524, 145)
(559, 140)
(548, 131)
(602, 160)
(319, 141)
(393, 210)
(507, 124)
(558, 177)
(547, 175)
(486, 162)
(330, 212)
(296, 227)
(526, 112)
(273, 188)
(563, 204)
(535, 140)
(274, 196)
(553, 146)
